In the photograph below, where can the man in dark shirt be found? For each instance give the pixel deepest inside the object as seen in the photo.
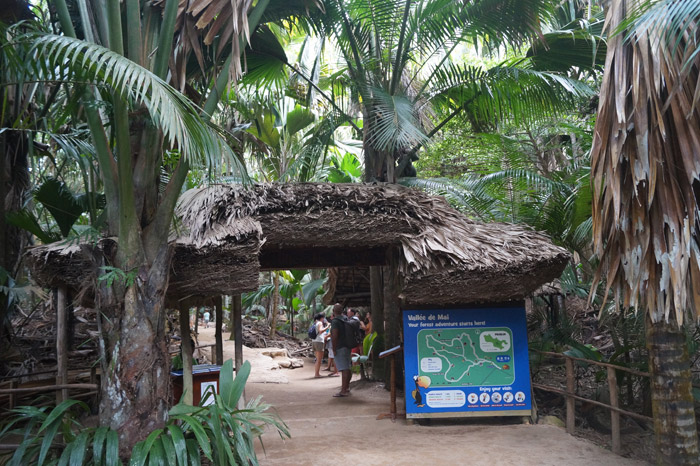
(342, 352)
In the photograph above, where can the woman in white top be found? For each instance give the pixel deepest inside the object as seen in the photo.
(319, 341)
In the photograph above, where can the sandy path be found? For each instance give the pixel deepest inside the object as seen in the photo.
(344, 431)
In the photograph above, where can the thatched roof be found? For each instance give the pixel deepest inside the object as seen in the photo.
(225, 234)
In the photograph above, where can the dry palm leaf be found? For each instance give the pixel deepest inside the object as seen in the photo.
(646, 161)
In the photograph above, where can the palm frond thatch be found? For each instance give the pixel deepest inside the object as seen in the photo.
(222, 230)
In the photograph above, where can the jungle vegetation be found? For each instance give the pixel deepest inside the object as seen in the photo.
(539, 112)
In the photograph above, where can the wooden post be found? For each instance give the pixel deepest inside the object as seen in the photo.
(61, 343)
(186, 353)
(614, 415)
(238, 331)
(219, 312)
(392, 309)
(570, 400)
(376, 283)
(392, 352)
(393, 385)
(238, 343)
(13, 384)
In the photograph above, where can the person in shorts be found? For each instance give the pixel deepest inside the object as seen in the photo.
(319, 341)
(340, 350)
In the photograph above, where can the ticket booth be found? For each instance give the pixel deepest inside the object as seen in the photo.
(205, 377)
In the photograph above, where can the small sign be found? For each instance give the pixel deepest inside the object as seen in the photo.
(208, 389)
(466, 362)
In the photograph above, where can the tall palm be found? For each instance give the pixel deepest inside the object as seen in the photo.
(646, 164)
(135, 118)
(400, 58)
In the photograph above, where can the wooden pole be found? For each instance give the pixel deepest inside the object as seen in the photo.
(219, 303)
(238, 331)
(186, 353)
(392, 309)
(376, 283)
(393, 387)
(61, 343)
(231, 320)
(614, 415)
(570, 401)
(238, 343)
(391, 352)
(13, 384)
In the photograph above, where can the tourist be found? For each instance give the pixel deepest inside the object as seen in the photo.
(318, 342)
(331, 357)
(368, 323)
(340, 350)
(352, 314)
(206, 318)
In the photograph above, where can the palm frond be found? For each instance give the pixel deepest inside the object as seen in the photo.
(506, 93)
(65, 58)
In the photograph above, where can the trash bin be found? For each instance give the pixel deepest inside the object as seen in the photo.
(204, 377)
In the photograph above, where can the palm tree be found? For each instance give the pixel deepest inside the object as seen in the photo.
(646, 184)
(136, 118)
(400, 59)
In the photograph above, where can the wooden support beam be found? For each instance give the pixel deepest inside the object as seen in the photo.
(238, 343)
(392, 289)
(614, 415)
(61, 343)
(570, 400)
(319, 257)
(376, 283)
(49, 388)
(219, 316)
(186, 352)
(237, 331)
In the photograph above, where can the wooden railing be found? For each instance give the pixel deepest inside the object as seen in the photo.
(212, 348)
(571, 396)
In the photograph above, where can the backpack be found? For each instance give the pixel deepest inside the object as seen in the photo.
(312, 331)
(353, 333)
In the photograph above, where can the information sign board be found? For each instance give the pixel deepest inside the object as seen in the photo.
(466, 362)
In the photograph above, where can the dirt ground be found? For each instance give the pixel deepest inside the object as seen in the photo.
(345, 431)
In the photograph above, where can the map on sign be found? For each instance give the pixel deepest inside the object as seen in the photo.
(467, 356)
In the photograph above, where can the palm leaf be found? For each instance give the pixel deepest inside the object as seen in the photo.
(65, 58)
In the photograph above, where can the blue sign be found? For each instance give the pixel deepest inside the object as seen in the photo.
(466, 362)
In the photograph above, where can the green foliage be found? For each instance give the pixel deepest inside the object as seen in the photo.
(56, 436)
(220, 431)
(114, 274)
(174, 113)
(345, 170)
(65, 208)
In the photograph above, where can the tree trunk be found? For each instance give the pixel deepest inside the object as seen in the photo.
(672, 397)
(135, 390)
(14, 183)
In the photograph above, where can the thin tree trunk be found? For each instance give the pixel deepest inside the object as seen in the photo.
(672, 397)
(61, 343)
(14, 183)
